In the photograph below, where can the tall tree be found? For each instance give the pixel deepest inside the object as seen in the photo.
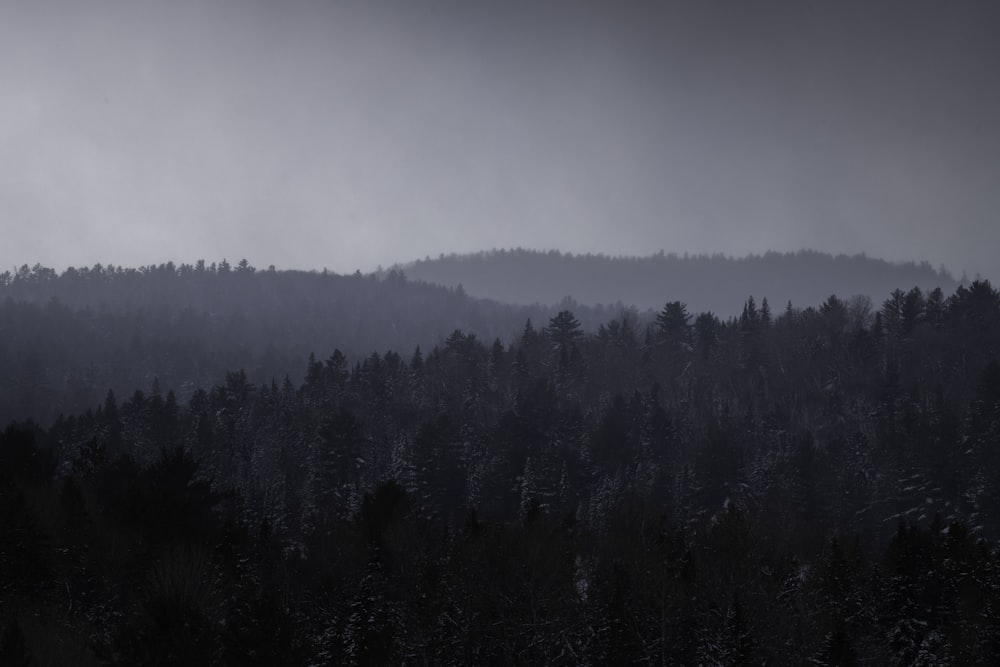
(564, 329)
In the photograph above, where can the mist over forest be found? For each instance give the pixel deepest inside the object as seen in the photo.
(71, 336)
(701, 365)
(715, 283)
(214, 464)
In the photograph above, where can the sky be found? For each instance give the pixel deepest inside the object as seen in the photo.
(317, 134)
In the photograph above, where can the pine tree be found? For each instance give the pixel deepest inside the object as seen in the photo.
(564, 329)
(672, 323)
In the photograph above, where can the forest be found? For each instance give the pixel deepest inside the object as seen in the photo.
(66, 338)
(797, 484)
(703, 282)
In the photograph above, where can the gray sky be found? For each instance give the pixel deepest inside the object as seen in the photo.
(311, 133)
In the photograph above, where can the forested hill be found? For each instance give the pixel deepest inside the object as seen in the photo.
(65, 339)
(706, 283)
(812, 487)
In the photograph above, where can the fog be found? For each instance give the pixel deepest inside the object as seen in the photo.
(349, 135)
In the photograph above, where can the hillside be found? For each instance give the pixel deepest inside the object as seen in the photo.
(802, 488)
(70, 337)
(66, 339)
(706, 283)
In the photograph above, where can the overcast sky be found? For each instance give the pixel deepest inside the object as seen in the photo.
(316, 133)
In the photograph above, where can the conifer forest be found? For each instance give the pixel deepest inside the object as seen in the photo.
(220, 465)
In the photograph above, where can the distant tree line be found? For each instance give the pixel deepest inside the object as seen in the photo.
(705, 282)
(65, 338)
(787, 486)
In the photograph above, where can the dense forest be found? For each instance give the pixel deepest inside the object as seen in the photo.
(69, 337)
(66, 338)
(792, 485)
(714, 283)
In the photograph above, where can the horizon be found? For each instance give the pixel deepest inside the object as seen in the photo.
(939, 269)
(522, 277)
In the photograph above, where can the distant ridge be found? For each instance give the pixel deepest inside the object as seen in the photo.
(65, 339)
(716, 283)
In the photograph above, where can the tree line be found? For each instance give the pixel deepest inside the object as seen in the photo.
(68, 337)
(703, 282)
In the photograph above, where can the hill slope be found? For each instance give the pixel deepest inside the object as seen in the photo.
(706, 283)
(65, 339)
